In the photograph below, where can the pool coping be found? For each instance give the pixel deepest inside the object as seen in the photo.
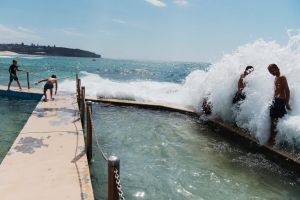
(25, 93)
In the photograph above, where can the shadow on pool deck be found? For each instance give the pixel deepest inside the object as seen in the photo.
(29, 144)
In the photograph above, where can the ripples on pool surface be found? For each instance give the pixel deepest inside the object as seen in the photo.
(172, 156)
(14, 115)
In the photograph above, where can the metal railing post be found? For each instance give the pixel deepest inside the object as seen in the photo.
(28, 84)
(89, 133)
(82, 106)
(113, 164)
(77, 86)
(79, 93)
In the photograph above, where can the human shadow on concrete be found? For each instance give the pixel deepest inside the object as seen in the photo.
(61, 116)
(40, 112)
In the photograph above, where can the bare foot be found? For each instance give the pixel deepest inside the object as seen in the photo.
(52, 99)
(45, 100)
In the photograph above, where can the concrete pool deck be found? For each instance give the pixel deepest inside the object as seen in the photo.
(47, 160)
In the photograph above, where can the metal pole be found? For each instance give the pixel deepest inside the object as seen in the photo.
(28, 84)
(82, 106)
(89, 132)
(76, 86)
(113, 164)
(78, 93)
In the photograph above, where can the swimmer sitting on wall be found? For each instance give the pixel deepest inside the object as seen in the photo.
(206, 106)
(49, 85)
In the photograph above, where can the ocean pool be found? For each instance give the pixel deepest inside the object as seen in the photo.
(14, 114)
(173, 156)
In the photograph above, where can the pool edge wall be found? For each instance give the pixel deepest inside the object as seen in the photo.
(21, 95)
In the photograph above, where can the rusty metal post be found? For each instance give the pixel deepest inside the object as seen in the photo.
(76, 86)
(28, 84)
(113, 164)
(79, 93)
(82, 106)
(89, 132)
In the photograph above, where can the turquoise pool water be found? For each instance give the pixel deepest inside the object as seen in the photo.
(172, 156)
(14, 115)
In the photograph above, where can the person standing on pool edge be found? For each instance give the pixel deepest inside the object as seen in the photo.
(13, 74)
(281, 100)
(49, 85)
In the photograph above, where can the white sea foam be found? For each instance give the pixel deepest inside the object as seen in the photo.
(17, 56)
(31, 57)
(136, 90)
(219, 83)
(6, 56)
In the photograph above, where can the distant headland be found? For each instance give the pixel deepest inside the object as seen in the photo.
(35, 49)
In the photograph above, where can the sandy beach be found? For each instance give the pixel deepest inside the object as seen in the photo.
(8, 53)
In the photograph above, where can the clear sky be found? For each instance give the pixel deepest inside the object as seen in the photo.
(186, 30)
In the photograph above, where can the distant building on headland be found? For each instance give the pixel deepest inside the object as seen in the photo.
(35, 49)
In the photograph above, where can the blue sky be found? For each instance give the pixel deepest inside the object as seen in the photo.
(183, 30)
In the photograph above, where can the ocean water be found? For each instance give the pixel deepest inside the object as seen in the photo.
(187, 84)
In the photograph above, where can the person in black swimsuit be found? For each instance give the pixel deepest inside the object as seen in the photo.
(281, 100)
(13, 74)
(49, 86)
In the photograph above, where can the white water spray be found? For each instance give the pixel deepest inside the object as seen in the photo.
(219, 83)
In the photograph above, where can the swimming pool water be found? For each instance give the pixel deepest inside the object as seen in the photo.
(14, 115)
(173, 156)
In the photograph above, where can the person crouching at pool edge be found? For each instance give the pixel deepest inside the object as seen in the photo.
(281, 100)
(49, 85)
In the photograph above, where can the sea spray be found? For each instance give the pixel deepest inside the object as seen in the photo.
(253, 113)
(219, 84)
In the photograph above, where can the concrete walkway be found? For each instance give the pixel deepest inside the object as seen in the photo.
(47, 159)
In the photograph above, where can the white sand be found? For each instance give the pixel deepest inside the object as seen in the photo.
(8, 53)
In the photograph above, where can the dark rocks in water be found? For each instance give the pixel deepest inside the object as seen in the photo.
(47, 50)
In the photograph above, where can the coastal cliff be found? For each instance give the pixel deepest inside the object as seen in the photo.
(47, 50)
